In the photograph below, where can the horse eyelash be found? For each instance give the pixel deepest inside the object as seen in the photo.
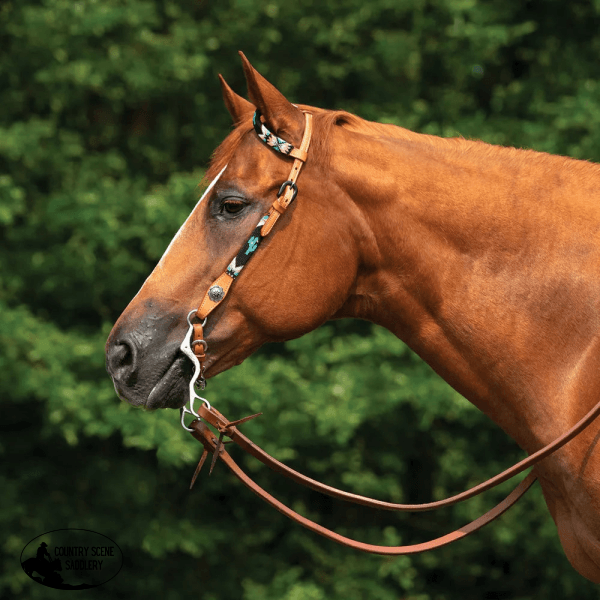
(235, 201)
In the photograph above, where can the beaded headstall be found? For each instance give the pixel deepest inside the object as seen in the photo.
(194, 346)
(270, 139)
(283, 147)
(286, 195)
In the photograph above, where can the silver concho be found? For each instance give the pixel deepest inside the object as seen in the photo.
(216, 293)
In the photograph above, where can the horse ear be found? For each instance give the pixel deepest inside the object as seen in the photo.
(286, 120)
(238, 107)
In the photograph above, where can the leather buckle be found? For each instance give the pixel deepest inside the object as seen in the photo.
(291, 184)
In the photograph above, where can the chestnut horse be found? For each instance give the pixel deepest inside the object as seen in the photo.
(484, 260)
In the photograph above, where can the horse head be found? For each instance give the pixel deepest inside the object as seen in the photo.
(301, 276)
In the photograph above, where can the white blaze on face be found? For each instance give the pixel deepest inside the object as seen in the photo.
(206, 193)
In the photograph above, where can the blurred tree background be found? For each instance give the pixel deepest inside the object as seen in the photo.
(109, 111)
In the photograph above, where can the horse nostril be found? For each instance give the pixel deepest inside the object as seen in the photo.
(124, 355)
(120, 361)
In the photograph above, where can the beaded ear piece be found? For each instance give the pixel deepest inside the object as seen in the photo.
(270, 139)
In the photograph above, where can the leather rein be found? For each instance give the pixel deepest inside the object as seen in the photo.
(194, 347)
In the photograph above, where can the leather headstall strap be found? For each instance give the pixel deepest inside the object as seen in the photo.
(229, 428)
(287, 193)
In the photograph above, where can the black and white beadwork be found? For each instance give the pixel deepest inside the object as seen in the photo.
(248, 249)
(270, 139)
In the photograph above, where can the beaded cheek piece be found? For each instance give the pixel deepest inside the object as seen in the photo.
(194, 346)
(270, 139)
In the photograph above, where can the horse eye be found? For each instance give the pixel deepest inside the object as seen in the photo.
(232, 207)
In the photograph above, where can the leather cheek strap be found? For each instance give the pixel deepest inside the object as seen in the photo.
(278, 207)
(207, 305)
(199, 345)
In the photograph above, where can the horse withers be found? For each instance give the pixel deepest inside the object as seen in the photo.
(483, 259)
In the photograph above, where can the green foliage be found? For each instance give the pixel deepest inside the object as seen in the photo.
(109, 110)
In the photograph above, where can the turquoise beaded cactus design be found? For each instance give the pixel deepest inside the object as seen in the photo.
(253, 244)
(248, 249)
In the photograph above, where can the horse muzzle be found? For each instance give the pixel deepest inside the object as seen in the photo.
(147, 368)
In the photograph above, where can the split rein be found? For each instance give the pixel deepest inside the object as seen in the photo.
(194, 347)
(215, 446)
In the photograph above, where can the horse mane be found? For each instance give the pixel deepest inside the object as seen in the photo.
(324, 121)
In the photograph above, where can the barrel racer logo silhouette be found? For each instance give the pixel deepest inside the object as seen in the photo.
(71, 559)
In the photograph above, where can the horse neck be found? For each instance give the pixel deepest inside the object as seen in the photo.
(473, 267)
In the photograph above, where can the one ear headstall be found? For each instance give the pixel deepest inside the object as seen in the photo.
(286, 195)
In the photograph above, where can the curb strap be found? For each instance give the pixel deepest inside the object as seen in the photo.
(228, 428)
